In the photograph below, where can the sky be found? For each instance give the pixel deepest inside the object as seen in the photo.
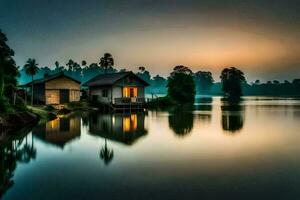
(261, 37)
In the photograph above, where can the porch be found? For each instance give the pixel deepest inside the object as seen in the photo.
(128, 104)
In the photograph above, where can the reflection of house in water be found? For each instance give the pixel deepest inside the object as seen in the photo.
(124, 128)
(59, 131)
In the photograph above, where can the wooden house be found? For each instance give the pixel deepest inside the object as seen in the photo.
(60, 131)
(117, 89)
(55, 89)
(123, 128)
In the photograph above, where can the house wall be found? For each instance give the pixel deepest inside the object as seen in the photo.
(141, 92)
(52, 88)
(52, 96)
(38, 93)
(113, 92)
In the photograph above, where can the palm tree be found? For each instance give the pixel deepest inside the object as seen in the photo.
(56, 64)
(70, 64)
(83, 63)
(31, 68)
(106, 154)
(106, 61)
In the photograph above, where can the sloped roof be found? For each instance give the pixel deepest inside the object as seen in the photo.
(51, 77)
(111, 78)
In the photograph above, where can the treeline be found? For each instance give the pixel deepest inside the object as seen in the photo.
(204, 82)
(85, 72)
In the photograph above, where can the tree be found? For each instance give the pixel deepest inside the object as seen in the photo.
(70, 64)
(8, 70)
(142, 69)
(204, 81)
(56, 64)
(231, 79)
(181, 69)
(276, 82)
(57, 67)
(144, 74)
(83, 63)
(181, 86)
(106, 62)
(31, 68)
(76, 67)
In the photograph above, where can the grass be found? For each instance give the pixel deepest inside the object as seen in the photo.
(43, 114)
(80, 105)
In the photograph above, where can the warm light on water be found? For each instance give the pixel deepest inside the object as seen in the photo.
(248, 150)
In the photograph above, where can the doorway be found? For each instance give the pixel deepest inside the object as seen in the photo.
(64, 95)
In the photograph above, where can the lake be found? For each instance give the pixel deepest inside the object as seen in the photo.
(211, 150)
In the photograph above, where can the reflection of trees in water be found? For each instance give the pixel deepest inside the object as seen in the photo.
(125, 128)
(233, 116)
(85, 118)
(181, 120)
(27, 152)
(203, 108)
(11, 153)
(106, 154)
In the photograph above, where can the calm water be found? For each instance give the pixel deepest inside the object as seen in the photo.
(249, 150)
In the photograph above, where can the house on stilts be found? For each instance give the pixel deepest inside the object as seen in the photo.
(120, 91)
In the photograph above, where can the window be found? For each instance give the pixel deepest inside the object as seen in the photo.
(130, 92)
(104, 93)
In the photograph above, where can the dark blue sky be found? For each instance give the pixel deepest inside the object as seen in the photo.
(260, 36)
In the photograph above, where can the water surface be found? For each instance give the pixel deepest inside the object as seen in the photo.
(213, 149)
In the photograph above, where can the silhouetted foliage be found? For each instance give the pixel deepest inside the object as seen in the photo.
(106, 62)
(11, 154)
(31, 68)
(158, 84)
(8, 73)
(232, 78)
(181, 85)
(204, 81)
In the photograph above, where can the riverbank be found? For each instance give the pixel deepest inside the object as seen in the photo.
(31, 115)
(15, 121)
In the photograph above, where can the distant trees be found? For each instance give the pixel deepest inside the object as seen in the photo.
(274, 88)
(31, 68)
(204, 81)
(144, 74)
(232, 79)
(106, 62)
(8, 72)
(181, 86)
(70, 64)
